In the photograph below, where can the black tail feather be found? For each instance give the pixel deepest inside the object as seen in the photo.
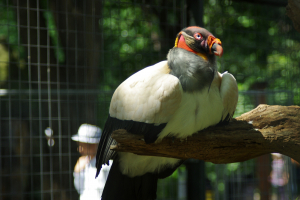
(150, 132)
(122, 187)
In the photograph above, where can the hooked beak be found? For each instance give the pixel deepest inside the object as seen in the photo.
(215, 46)
(217, 49)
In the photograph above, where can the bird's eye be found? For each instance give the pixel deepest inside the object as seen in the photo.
(197, 36)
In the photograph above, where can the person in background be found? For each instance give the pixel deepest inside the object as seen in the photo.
(87, 186)
(279, 176)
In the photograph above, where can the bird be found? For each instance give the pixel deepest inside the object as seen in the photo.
(173, 98)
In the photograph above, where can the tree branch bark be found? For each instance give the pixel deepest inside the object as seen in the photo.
(293, 11)
(264, 130)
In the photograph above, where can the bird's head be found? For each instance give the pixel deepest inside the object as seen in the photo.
(199, 41)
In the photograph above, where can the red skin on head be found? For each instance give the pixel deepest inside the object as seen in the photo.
(183, 45)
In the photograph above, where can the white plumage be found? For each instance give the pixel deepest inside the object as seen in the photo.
(176, 98)
(152, 96)
(149, 95)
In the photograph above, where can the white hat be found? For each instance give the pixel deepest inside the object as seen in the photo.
(278, 155)
(88, 133)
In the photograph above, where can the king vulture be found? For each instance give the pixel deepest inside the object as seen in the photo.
(174, 98)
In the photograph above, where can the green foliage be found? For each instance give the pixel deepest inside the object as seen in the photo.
(259, 43)
(4, 59)
(52, 30)
(127, 40)
(8, 25)
(9, 48)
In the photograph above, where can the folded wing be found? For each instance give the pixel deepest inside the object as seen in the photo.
(142, 104)
(229, 95)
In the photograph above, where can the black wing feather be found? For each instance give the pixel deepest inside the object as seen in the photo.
(225, 121)
(150, 132)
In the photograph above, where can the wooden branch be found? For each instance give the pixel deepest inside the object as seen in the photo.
(265, 129)
(293, 11)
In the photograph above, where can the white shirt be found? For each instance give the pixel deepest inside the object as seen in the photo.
(87, 185)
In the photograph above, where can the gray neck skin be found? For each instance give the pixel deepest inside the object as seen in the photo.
(193, 71)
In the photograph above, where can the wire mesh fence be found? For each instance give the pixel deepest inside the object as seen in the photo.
(60, 62)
